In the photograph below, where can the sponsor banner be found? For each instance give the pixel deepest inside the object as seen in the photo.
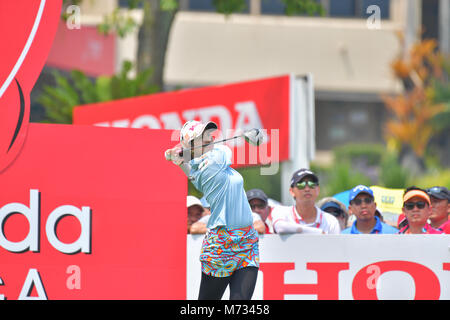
(388, 200)
(331, 267)
(234, 107)
(27, 29)
(84, 212)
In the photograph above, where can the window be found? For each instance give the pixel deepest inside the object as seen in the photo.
(342, 8)
(208, 6)
(276, 7)
(336, 8)
(272, 7)
(357, 8)
(382, 4)
(125, 4)
(201, 5)
(333, 8)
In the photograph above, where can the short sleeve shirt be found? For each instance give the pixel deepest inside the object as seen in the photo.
(324, 221)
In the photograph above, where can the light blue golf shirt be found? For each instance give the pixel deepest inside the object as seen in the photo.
(223, 188)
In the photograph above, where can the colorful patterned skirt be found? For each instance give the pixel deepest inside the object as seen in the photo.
(227, 250)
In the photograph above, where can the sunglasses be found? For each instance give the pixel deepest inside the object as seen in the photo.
(311, 184)
(358, 202)
(411, 205)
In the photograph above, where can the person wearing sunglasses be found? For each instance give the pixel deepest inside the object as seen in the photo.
(440, 208)
(304, 216)
(417, 210)
(362, 204)
(259, 203)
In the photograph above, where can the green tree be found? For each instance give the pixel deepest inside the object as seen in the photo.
(78, 89)
(153, 36)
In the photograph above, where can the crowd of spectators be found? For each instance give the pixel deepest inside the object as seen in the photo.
(424, 211)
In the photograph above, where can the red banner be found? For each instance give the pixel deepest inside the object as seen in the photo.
(93, 213)
(27, 28)
(234, 107)
(83, 210)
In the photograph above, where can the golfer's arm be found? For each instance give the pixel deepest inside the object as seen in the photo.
(186, 167)
(284, 227)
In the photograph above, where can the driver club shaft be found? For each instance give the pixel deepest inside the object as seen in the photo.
(208, 144)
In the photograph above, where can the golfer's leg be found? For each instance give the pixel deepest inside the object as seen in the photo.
(242, 283)
(212, 288)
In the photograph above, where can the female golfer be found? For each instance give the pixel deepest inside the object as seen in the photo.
(230, 254)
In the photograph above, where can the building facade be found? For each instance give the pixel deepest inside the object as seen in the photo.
(349, 51)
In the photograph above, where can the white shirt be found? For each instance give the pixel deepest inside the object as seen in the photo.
(287, 220)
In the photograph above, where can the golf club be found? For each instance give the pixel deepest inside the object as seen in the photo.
(252, 136)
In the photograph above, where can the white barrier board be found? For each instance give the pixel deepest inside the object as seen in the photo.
(398, 267)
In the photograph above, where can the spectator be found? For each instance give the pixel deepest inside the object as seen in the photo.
(199, 227)
(335, 208)
(362, 205)
(440, 208)
(304, 216)
(195, 211)
(417, 209)
(259, 203)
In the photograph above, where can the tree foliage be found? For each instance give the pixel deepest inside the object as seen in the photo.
(122, 23)
(426, 93)
(309, 7)
(78, 89)
(153, 34)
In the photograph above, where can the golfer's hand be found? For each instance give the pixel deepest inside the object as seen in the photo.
(174, 155)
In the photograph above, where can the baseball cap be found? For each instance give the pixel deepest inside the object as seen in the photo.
(330, 204)
(439, 192)
(337, 212)
(416, 193)
(192, 201)
(257, 194)
(193, 129)
(357, 190)
(302, 173)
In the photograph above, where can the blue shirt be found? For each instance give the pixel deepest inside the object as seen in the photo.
(380, 228)
(223, 188)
